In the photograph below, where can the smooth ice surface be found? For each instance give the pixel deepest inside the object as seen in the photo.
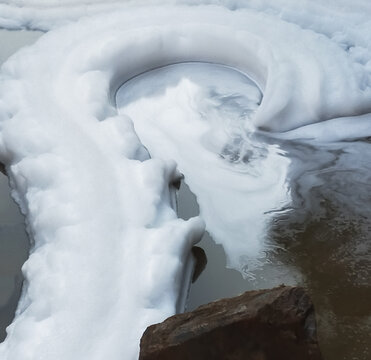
(108, 246)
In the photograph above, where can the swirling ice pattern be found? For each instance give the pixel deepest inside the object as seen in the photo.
(108, 246)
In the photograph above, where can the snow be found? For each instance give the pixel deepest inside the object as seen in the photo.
(200, 114)
(109, 253)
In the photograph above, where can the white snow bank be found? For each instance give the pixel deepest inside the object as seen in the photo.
(109, 251)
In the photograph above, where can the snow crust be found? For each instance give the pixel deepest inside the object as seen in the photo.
(109, 252)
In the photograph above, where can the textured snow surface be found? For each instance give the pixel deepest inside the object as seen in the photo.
(108, 249)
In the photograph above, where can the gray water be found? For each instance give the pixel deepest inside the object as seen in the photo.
(323, 243)
(14, 244)
(217, 281)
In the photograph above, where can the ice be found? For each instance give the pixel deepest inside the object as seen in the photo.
(200, 115)
(109, 252)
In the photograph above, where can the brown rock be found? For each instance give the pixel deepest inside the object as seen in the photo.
(270, 324)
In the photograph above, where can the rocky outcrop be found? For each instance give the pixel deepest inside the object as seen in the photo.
(275, 324)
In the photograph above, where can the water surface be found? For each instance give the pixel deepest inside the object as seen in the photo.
(316, 235)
